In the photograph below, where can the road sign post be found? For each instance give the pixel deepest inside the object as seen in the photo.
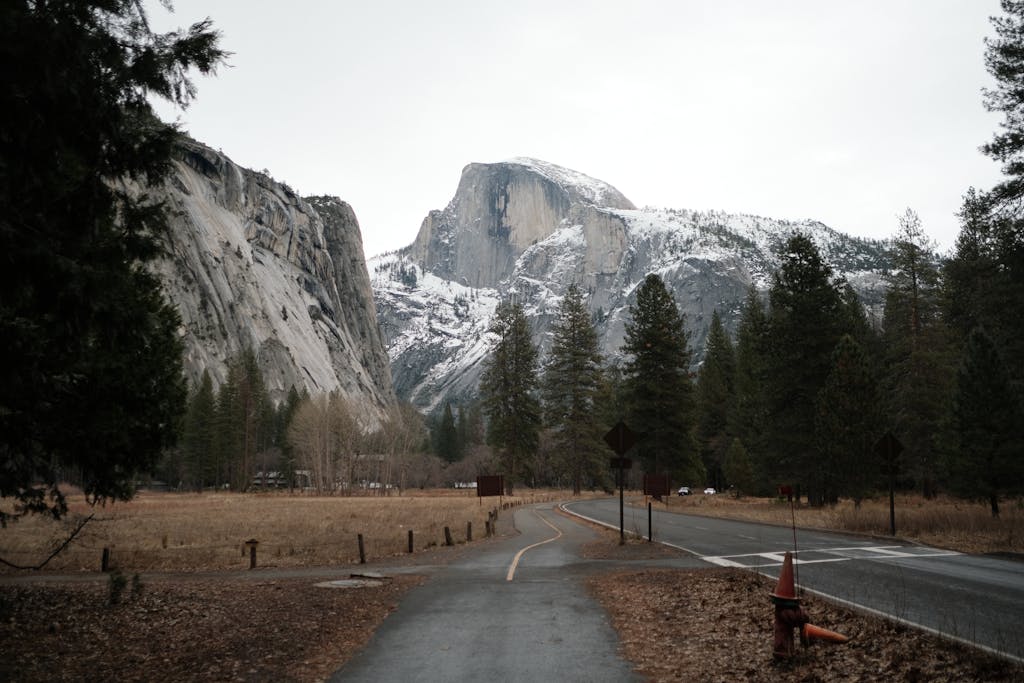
(889, 447)
(620, 439)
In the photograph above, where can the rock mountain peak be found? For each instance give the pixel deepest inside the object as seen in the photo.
(533, 227)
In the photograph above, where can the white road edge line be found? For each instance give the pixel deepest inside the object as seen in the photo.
(913, 624)
(829, 596)
(563, 508)
(515, 560)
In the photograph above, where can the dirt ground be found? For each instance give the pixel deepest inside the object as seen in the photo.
(716, 624)
(206, 630)
(702, 625)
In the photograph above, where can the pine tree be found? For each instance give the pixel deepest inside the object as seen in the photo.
(90, 360)
(748, 420)
(855, 322)
(738, 468)
(240, 409)
(985, 278)
(985, 461)
(806, 321)
(917, 353)
(571, 386)
(197, 441)
(1004, 60)
(471, 426)
(984, 281)
(658, 386)
(285, 415)
(847, 425)
(715, 401)
(508, 389)
(446, 438)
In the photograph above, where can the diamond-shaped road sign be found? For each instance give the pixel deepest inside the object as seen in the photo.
(620, 438)
(888, 446)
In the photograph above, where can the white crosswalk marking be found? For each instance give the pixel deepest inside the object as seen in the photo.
(820, 555)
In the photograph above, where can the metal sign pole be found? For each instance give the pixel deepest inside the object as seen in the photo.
(622, 523)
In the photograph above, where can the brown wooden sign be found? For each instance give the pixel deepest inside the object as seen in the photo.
(656, 485)
(490, 485)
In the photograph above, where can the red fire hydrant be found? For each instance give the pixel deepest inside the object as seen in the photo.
(788, 612)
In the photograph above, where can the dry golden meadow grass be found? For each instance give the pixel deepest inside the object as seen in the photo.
(191, 531)
(945, 522)
(196, 531)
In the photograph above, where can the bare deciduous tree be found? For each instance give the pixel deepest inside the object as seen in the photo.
(325, 436)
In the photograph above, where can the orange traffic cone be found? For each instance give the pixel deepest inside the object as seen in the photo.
(811, 632)
(785, 589)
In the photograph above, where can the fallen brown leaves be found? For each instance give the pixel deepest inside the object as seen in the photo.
(717, 625)
(209, 630)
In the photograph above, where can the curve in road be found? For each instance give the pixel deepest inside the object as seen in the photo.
(471, 622)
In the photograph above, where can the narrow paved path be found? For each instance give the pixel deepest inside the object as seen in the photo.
(512, 610)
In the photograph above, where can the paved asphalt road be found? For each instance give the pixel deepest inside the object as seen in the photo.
(974, 598)
(511, 610)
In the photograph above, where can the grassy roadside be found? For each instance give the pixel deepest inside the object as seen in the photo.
(943, 522)
(207, 531)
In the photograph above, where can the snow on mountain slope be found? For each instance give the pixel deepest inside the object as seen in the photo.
(435, 330)
(582, 231)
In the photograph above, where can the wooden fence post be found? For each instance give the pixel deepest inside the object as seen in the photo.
(448, 536)
(362, 550)
(105, 560)
(251, 544)
(469, 532)
(410, 541)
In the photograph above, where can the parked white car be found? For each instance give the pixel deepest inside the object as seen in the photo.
(683, 491)
(710, 491)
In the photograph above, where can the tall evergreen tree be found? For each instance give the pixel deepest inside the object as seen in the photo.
(984, 281)
(198, 435)
(847, 425)
(470, 426)
(986, 459)
(806, 321)
(240, 407)
(984, 290)
(658, 386)
(748, 420)
(917, 353)
(715, 401)
(857, 324)
(508, 388)
(739, 470)
(571, 386)
(446, 437)
(285, 415)
(90, 361)
(1004, 60)
(985, 278)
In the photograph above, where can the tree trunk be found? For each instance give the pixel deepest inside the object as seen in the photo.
(993, 501)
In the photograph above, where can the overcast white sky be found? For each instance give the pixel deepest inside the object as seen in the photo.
(845, 112)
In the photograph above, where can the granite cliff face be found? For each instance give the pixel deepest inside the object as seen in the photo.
(528, 229)
(500, 210)
(249, 264)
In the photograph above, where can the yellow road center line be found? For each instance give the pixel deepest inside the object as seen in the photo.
(515, 560)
